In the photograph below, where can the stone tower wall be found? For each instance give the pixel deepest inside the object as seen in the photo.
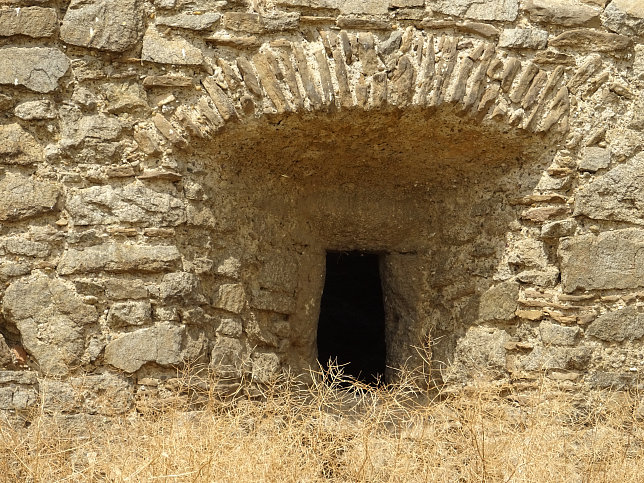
(172, 173)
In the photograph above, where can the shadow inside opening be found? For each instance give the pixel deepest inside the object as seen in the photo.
(351, 328)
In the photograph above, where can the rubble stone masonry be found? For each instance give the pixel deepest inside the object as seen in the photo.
(172, 173)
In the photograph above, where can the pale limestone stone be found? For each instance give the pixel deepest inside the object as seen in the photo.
(265, 367)
(17, 146)
(227, 356)
(554, 334)
(562, 358)
(132, 203)
(50, 316)
(37, 68)
(591, 40)
(523, 38)
(593, 159)
(370, 7)
(24, 197)
(106, 394)
(610, 260)
(181, 284)
(481, 350)
(625, 17)
(119, 257)
(231, 297)
(190, 21)
(478, 9)
(35, 110)
(176, 50)
(561, 12)
(618, 325)
(113, 25)
(166, 344)
(499, 302)
(326, 4)
(30, 21)
(132, 312)
(616, 195)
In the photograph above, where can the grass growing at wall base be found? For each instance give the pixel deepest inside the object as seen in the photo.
(486, 431)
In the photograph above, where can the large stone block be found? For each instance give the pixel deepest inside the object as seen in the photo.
(104, 24)
(120, 257)
(618, 326)
(524, 38)
(617, 195)
(132, 203)
(50, 316)
(479, 9)
(625, 17)
(610, 260)
(562, 12)
(30, 21)
(23, 197)
(165, 344)
(17, 146)
(37, 68)
(176, 50)
(499, 302)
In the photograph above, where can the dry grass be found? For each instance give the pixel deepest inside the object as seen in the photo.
(332, 431)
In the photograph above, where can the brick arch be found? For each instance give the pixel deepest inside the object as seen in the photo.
(352, 70)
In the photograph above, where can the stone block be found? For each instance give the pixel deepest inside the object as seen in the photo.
(37, 68)
(617, 195)
(50, 316)
(554, 334)
(113, 25)
(502, 10)
(558, 229)
(618, 325)
(499, 303)
(133, 203)
(189, 20)
(557, 358)
(181, 284)
(17, 146)
(591, 40)
(594, 159)
(265, 367)
(165, 344)
(481, 350)
(320, 4)
(368, 7)
(30, 21)
(624, 17)
(523, 38)
(119, 257)
(24, 196)
(132, 312)
(35, 110)
(231, 297)
(106, 394)
(175, 50)
(610, 260)
(561, 12)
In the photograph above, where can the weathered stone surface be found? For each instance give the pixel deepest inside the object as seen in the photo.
(30, 21)
(35, 110)
(165, 344)
(132, 203)
(610, 260)
(593, 159)
(113, 25)
(370, 7)
(50, 316)
(17, 397)
(227, 357)
(265, 366)
(499, 302)
(554, 334)
(176, 50)
(523, 38)
(615, 195)
(624, 17)
(562, 12)
(24, 196)
(482, 10)
(180, 284)
(561, 358)
(132, 312)
(592, 40)
(5, 353)
(189, 20)
(482, 349)
(17, 146)
(119, 257)
(558, 229)
(106, 394)
(326, 4)
(618, 326)
(231, 297)
(37, 68)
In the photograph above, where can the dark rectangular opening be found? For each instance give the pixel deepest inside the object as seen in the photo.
(351, 328)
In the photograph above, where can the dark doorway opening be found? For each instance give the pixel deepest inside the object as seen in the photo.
(351, 329)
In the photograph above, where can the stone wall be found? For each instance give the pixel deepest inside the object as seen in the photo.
(172, 173)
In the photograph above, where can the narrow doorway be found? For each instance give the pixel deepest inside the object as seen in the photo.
(351, 328)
